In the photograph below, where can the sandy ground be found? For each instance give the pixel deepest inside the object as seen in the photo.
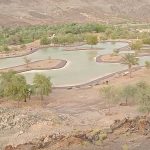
(71, 110)
(42, 64)
(140, 75)
(21, 51)
(109, 58)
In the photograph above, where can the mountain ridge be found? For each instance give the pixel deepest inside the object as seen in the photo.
(56, 11)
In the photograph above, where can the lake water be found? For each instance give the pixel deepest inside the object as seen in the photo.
(81, 67)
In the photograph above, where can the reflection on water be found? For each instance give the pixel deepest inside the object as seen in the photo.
(92, 54)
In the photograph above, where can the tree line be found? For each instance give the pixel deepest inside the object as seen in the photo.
(138, 93)
(66, 34)
(23, 35)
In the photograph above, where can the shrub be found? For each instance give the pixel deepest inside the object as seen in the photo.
(44, 40)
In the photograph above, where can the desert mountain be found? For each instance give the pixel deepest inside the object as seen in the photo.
(60, 11)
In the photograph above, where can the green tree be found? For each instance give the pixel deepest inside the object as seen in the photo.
(130, 60)
(42, 85)
(137, 45)
(144, 99)
(54, 40)
(146, 40)
(44, 40)
(109, 32)
(143, 96)
(15, 39)
(18, 88)
(92, 40)
(109, 94)
(5, 81)
(128, 92)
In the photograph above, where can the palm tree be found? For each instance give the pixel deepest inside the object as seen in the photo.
(42, 85)
(130, 60)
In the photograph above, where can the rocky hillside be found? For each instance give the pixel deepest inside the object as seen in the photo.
(58, 11)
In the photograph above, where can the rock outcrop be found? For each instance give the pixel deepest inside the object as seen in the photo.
(138, 125)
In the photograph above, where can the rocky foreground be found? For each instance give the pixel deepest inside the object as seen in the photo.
(45, 130)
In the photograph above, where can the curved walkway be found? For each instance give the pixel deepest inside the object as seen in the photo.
(89, 84)
(32, 50)
(102, 80)
(126, 48)
(100, 60)
(23, 68)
